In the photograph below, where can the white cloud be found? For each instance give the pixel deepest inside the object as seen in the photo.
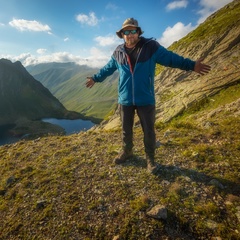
(66, 39)
(25, 25)
(110, 40)
(90, 19)
(177, 4)
(111, 6)
(97, 58)
(172, 34)
(179, 30)
(41, 51)
(2, 24)
(29, 59)
(209, 7)
(22, 57)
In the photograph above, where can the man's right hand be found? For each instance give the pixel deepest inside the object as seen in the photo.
(90, 82)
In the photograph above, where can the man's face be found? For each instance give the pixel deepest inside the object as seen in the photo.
(130, 35)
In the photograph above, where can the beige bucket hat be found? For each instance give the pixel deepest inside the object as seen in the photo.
(129, 22)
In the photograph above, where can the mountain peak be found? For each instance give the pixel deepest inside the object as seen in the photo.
(21, 96)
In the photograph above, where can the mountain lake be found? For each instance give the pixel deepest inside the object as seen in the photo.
(70, 127)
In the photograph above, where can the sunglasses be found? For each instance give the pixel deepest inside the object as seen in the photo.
(127, 32)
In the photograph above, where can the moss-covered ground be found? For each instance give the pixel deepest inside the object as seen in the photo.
(67, 187)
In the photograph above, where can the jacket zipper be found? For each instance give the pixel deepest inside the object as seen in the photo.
(150, 80)
(133, 75)
(133, 70)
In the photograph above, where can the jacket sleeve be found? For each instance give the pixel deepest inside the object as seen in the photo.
(171, 59)
(106, 71)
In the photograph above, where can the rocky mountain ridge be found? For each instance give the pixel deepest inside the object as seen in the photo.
(23, 99)
(220, 49)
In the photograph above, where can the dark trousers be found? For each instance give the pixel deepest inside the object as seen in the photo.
(146, 115)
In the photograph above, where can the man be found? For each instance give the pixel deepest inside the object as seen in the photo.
(135, 60)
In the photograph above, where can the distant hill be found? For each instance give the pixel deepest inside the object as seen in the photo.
(23, 97)
(66, 81)
(53, 74)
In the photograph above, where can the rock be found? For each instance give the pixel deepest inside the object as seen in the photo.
(41, 204)
(10, 181)
(2, 192)
(208, 124)
(116, 237)
(238, 213)
(158, 212)
(216, 183)
(211, 224)
(167, 133)
(158, 144)
(165, 183)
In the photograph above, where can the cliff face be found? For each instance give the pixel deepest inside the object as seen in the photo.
(217, 42)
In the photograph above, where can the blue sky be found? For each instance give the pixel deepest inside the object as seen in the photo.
(83, 31)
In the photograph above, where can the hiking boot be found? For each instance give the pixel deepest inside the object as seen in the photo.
(152, 167)
(123, 157)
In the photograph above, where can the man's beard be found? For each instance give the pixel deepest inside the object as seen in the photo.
(132, 41)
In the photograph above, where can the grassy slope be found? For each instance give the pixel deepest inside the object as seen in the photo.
(50, 74)
(223, 20)
(97, 102)
(220, 22)
(66, 81)
(68, 188)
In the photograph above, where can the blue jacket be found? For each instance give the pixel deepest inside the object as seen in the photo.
(136, 86)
